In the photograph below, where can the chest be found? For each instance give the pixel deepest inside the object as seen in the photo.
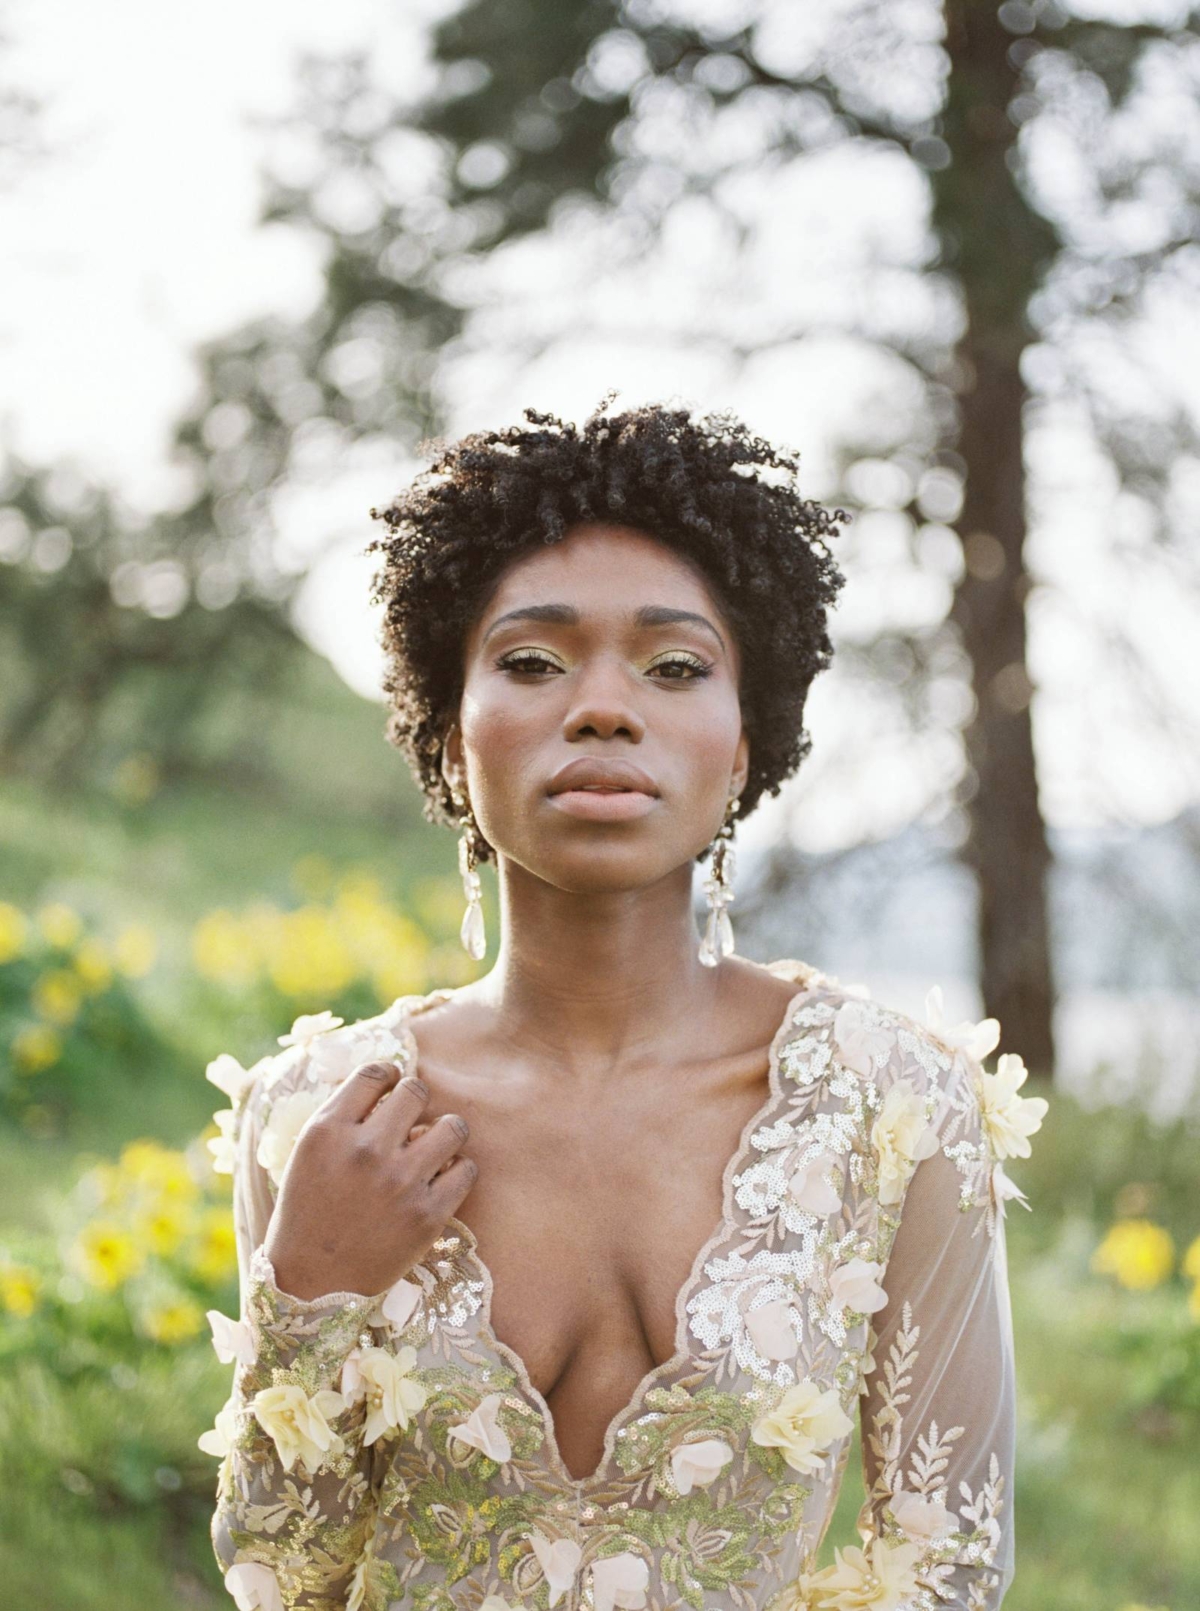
(590, 1214)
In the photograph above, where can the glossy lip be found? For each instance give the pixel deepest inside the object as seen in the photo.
(601, 773)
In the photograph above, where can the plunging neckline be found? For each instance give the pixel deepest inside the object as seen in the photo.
(682, 1354)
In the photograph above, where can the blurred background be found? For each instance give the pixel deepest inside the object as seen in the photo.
(252, 256)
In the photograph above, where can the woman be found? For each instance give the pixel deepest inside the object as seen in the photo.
(493, 1352)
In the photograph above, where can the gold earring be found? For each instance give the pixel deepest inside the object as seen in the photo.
(472, 931)
(718, 931)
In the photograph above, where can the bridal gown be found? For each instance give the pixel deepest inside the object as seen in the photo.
(387, 1452)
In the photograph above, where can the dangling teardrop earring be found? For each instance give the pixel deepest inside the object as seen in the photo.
(472, 932)
(718, 931)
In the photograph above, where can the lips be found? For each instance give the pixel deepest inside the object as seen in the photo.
(590, 772)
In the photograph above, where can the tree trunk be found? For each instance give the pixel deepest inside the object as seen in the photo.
(998, 247)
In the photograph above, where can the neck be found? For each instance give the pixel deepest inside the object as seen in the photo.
(587, 979)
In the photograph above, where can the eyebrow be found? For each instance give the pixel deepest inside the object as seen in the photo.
(567, 615)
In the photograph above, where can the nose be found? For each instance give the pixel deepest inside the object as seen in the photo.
(602, 707)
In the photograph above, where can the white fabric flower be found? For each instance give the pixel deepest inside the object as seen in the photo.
(224, 1146)
(397, 1306)
(287, 1118)
(901, 1137)
(803, 1425)
(308, 1026)
(336, 1055)
(925, 1520)
(497, 1602)
(385, 1380)
(1010, 1119)
(228, 1075)
(232, 1339)
(298, 1424)
(559, 1560)
(859, 1040)
(977, 1040)
(1004, 1189)
(879, 1581)
(254, 1587)
(219, 1439)
(771, 1331)
(695, 1465)
(482, 1430)
(620, 1580)
(855, 1286)
(809, 1186)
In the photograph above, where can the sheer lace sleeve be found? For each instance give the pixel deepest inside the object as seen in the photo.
(939, 1405)
(295, 1496)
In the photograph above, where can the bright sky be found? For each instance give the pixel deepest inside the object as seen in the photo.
(138, 239)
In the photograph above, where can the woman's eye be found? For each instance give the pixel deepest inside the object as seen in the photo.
(683, 668)
(526, 660)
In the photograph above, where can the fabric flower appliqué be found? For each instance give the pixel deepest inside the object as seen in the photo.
(232, 1339)
(219, 1438)
(977, 1040)
(809, 1186)
(926, 1520)
(298, 1424)
(224, 1146)
(254, 1587)
(559, 1560)
(228, 1075)
(857, 1581)
(855, 1286)
(287, 1118)
(384, 1380)
(771, 1330)
(620, 1580)
(308, 1026)
(695, 1465)
(803, 1425)
(901, 1137)
(334, 1056)
(859, 1040)
(482, 1430)
(1010, 1119)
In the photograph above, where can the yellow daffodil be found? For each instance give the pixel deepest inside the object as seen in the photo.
(107, 1254)
(13, 931)
(57, 995)
(35, 1047)
(173, 1322)
(20, 1287)
(135, 950)
(1139, 1253)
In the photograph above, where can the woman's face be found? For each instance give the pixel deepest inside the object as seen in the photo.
(608, 648)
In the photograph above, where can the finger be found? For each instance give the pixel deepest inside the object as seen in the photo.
(357, 1097)
(433, 1150)
(452, 1185)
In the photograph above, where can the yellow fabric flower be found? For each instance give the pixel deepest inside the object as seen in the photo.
(384, 1380)
(901, 1136)
(298, 1424)
(803, 1425)
(859, 1581)
(1008, 1118)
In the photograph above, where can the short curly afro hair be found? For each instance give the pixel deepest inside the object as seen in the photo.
(690, 482)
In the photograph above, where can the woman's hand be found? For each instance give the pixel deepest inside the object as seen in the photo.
(364, 1195)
